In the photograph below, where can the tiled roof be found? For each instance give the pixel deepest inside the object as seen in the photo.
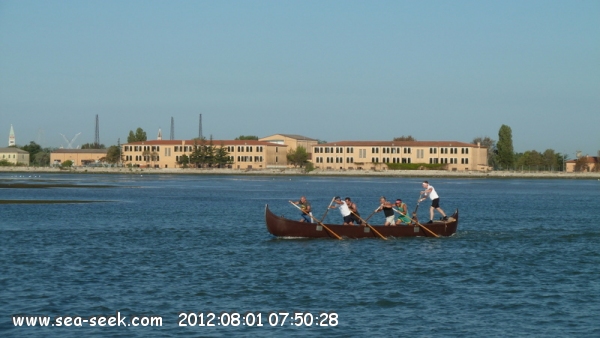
(80, 151)
(294, 136)
(397, 144)
(13, 150)
(215, 143)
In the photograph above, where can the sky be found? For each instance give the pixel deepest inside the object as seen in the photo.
(329, 70)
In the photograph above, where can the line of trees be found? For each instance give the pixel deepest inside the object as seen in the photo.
(206, 155)
(501, 154)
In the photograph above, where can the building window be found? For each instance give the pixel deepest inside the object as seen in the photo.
(362, 153)
(420, 153)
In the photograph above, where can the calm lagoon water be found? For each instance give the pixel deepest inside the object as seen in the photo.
(525, 259)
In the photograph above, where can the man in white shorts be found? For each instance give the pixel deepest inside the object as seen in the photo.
(388, 212)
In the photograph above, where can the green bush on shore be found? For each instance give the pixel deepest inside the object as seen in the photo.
(415, 166)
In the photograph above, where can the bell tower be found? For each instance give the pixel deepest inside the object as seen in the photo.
(11, 137)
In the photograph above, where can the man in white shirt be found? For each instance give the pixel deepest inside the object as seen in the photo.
(344, 210)
(435, 201)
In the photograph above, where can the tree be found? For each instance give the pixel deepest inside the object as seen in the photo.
(113, 155)
(404, 138)
(321, 141)
(551, 159)
(138, 136)
(93, 146)
(247, 137)
(67, 164)
(184, 160)
(42, 158)
(298, 157)
(32, 148)
(222, 157)
(506, 155)
(490, 144)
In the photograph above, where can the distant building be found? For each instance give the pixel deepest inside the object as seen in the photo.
(14, 155)
(11, 138)
(591, 163)
(293, 141)
(243, 154)
(374, 155)
(79, 157)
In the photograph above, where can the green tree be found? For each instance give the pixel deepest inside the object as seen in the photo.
(404, 138)
(184, 160)
(138, 136)
(321, 141)
(32, 148)
(530, 160)
(506, 155)
(41, 158)
(222, 157)
(298, 157)
(113, 155)
(490, 144)
(551, 159)
(93, 146)
(247, 137)
(67, 164)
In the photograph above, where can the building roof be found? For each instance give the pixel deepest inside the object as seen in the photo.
(13, 150)
(215, 143)
(294, 136)
(80, 151)
(398, 144)
(589, 159)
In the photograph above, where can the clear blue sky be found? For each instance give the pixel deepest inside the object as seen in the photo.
(332, 70)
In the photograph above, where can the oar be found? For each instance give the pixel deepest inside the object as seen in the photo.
(326, 211)
(318, 222)
(414, 214)
(398, 211)
(371, 215)
(425, 228)
(369, 225)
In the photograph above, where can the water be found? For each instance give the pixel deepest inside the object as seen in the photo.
(525, 259)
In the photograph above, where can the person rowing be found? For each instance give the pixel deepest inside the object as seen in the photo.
(305, 208)
(353, 210)
(344, 210)
(402, 211)
(388, 211)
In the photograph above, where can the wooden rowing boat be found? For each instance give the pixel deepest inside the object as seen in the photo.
(283, 227)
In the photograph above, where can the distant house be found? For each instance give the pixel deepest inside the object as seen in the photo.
(14, 155)
(79, 157)
(591, 163)
(293, 141)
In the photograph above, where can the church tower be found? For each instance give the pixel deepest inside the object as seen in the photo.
(11, 137)
(159, 137)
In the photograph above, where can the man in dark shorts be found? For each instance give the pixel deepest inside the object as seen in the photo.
(344, 210)
(435, 201)
(354, 211)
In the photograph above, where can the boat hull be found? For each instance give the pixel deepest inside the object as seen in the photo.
(283, 227)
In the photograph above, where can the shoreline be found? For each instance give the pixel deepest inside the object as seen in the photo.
(300, 172)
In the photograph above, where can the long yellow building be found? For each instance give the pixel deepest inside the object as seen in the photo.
(373, 155)
(243, 154)
(342, 155)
